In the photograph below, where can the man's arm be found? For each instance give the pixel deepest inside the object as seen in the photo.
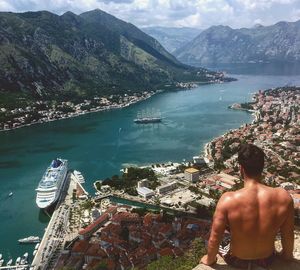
(217, 231)
(287, 232)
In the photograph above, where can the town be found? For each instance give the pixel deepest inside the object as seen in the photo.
(158, 211)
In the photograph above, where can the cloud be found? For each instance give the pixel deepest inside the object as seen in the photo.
(194, 13)
(116, 1)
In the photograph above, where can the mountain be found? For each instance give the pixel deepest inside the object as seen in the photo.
(43, 55)
(172, 38)
(223, 45)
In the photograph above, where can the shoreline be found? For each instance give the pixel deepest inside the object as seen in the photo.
(112, 107)
(273, 129)
(179, 87)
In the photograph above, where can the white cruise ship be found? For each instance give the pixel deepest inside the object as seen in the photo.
(50, 186)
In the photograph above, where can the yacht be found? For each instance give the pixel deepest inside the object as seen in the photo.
(0, 256)
(29, 240)
(79, 177)
(1, 262)
(18, 260)
(50, 187)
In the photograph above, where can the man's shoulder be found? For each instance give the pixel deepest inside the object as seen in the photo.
(228, 198)
(282, 194)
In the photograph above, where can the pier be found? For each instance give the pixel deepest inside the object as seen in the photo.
(55, 233)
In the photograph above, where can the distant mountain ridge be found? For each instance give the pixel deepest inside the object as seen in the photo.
(262, 44)
(76, 56)
(172, 38)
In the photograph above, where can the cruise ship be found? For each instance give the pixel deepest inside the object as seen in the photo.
(51, 185)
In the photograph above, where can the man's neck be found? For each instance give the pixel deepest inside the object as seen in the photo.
(250, 182)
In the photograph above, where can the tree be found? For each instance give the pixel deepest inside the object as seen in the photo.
(100, 266)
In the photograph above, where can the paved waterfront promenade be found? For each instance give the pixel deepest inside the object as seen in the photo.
(54, 235)
(16, 267)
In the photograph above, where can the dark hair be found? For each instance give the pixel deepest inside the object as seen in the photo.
(252, 159)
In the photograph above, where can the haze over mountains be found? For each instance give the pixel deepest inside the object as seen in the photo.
(68, 56)
(172, 38)
(223, 45)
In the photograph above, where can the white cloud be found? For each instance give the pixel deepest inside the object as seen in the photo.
(195, 13)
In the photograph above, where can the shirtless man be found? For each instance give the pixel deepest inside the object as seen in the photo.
(254, 215)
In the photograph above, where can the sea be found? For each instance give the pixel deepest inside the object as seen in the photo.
(100, 144)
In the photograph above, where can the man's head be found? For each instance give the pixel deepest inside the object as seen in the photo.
(252, 159)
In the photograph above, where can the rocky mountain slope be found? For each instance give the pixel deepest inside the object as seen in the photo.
(172, 38)
(222, 45)
(43, 55)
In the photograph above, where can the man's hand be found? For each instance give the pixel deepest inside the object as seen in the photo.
(206, 261)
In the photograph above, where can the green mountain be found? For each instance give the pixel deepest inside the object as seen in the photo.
(43, 55)
(261, 44)
(172, 38)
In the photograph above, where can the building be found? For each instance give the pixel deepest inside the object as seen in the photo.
(89, 230)
(143, 183)
(145, 192)
(192, 175)
(287, 186)
(165, 188)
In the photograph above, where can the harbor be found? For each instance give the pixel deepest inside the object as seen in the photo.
(56, 231)
(93, 144)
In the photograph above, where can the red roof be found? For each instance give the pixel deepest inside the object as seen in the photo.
(94, 225)
(80, 246)
(126, 217)
(166, 252)
(95, 251)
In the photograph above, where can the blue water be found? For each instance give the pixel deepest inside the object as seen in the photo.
(100, 144)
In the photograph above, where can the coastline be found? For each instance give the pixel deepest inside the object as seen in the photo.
(73, 115)
(273, 129)
(179, 86)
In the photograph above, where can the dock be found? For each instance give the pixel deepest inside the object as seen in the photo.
(55, 233)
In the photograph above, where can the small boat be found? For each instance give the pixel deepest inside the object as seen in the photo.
(25, 256)
(0, 256)
(37, 246)
(1, 262)
(10, 194)
(18, 260)
(34, 252)
(9, 262)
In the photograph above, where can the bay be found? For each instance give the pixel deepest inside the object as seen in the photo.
(99, 144)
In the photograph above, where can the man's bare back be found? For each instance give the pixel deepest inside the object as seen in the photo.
(255, 214)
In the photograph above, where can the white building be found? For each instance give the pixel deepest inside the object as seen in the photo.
(145, 192)
(165, 188)
(192, 175)
(287, 186)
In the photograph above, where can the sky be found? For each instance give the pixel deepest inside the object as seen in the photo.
(176, 13)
